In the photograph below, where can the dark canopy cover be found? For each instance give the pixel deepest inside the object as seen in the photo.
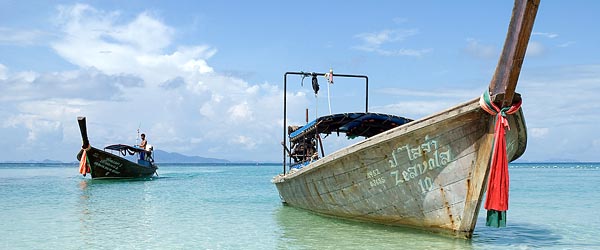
(352, 124)
(124, 148)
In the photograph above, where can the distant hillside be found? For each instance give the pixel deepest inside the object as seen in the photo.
(34, 162)
(159, 156)
(168, 157)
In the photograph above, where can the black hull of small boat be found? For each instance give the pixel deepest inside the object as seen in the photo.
(104, 165)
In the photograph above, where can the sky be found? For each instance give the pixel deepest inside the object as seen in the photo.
(205, 78)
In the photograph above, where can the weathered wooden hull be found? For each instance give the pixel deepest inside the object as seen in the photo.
(104, 165)
(428, 174)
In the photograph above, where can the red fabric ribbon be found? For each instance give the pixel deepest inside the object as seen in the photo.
(498, 181)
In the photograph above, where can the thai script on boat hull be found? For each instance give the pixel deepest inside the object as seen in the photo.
(428, 156)
(109, 165)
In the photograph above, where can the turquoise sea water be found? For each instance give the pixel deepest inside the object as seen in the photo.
(48, 206)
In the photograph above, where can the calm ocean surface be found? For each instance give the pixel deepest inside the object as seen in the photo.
(49, 206)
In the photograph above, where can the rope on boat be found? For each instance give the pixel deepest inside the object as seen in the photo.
(496, 201)
(84, 167)
(126, 151)
(329, 78)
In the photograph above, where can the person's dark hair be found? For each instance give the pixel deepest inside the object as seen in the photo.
(143, 135)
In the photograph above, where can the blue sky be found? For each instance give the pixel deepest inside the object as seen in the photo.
(205, 77)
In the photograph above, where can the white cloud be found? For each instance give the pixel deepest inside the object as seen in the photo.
(31, 86)
(131, 74)
(567, 44)
(416, 104)
(561, 110)
(400, 52)
(145, 33)
(131, 70)
(539, 132)
(3, 72)
(240, 112)
(399, 20)
(38, 127)
(535, 48)
(545, 34)
(458, 94)
(20, 37)
(414, 109)
(96, 39)
(478, 50)
(559, 104)
(244, 141)
(197, 65)
(375, 41)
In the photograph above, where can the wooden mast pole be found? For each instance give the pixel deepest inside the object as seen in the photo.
(503, 84)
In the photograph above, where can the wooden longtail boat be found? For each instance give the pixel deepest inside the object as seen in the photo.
(428, 174)
(102, 164)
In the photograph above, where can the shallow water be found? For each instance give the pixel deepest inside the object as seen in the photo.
(47, 206)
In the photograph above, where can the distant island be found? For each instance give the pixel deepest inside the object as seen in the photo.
(169, 157)
(160, 156)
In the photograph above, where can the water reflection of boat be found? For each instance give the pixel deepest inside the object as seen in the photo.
(428, 174)
(126, 206)
(103, 164)
(301, 229)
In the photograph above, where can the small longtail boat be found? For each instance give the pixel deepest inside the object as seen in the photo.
(429, 174)
(112, 164)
